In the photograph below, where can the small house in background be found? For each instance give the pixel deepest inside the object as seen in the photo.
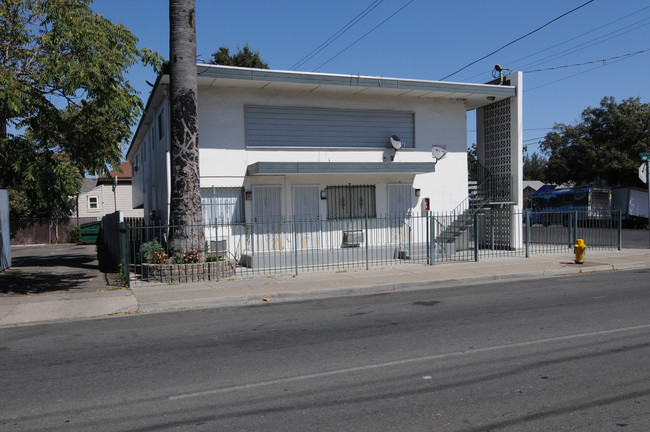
(108, 194)
(530, 187)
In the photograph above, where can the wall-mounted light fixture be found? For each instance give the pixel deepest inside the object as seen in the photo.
(323, 194)
(249, 195)
(417, 192)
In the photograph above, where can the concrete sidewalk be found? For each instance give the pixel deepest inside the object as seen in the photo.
(143, 298)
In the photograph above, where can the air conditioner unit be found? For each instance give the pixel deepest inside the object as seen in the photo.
(220, 246)
(352, 238)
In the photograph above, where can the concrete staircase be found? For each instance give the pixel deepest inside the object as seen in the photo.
(451, 227)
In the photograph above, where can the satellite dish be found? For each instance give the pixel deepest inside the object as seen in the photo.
(395, 142)
(438, 152)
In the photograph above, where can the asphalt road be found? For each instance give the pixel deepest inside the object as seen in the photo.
(558, 354)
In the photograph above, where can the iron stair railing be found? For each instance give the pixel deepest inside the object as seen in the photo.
(490, 189)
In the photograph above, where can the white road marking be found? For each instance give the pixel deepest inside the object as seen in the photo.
(403, 362)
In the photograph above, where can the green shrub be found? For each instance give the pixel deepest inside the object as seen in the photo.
(121, 274)
(74, 234)
(147, 248)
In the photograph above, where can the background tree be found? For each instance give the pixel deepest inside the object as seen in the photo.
(472, 163)
(185, 203)
(535, 167)
(603, 147)
(244, 58)
(47, 186)
(64, 93)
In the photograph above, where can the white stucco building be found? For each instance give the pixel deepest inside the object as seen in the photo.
(277, 144)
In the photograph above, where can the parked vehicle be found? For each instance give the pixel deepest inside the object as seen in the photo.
(633, 204)
(552, 205)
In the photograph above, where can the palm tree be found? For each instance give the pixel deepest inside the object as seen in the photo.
(185, 204)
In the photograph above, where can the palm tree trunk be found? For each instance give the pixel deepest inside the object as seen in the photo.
(185, 204)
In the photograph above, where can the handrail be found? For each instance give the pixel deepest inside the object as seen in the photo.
(490, 188)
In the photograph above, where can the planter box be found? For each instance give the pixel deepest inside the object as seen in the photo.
(196, 272)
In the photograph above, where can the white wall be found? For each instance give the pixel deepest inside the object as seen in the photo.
(151, 185)
(224, 158)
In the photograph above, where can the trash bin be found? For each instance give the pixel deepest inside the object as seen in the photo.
(90, 232)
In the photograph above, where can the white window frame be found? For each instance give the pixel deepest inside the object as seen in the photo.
(219, 201)
(340, 207)
(90, 205)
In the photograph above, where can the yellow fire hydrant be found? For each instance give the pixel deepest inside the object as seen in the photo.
(579, 249)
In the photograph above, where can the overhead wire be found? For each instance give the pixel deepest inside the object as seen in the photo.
(589, 62)
(511, 64)
(584, 45)
(337, 34)
(364, 35)
(516, 40)
(574, 75)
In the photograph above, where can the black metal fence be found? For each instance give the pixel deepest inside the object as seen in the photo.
(295, 246)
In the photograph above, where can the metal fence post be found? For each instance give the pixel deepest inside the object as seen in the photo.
(216, 251)
(620, 229)
(527, 222)
(295, 244)
(432, 239)
(575, 230)
(124, 251)
(367, 263)
(476, 236)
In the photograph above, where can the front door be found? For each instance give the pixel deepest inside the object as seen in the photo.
(306, 202)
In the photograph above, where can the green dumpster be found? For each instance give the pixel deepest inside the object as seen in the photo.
(90, 232)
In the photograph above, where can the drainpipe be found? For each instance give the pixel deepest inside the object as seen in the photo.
(115, 194)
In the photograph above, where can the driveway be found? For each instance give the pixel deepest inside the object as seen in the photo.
(53, 268)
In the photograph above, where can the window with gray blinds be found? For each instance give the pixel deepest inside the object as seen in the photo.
(320, 127)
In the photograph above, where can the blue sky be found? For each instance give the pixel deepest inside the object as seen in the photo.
(429, 40)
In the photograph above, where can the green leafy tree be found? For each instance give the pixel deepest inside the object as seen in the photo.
(603, 147)
(535, 167)
(47, 185)
(64, 92)
(244, 58)
(472, 163)
(185, 202)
